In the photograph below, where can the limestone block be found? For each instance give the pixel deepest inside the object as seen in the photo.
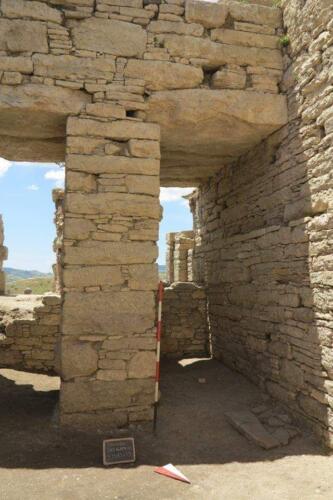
(111, 375)
(99, 395)
(92, 276)
(110, 37)
(106, 110)
(215, 54)
(70, 67)
(21, 64)
(229, 78)
(112, 203)
(113, 165)
(143, 184)
(160, 75)
(78, 181)
(232, 37)
(23, 36)
(118, 130)
(142, 365)
(256, 14)
(78, 229)
(32, 9)
(111, 253)
(112, 313)
(143, 277)
(144, 149)
(210, 15)
(77, 359)
(178, 28)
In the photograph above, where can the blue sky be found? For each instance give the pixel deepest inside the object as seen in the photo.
(28, 211)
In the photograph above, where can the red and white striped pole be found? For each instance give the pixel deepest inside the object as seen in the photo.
(158, 349)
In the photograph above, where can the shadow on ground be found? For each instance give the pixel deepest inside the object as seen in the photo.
(191, 424)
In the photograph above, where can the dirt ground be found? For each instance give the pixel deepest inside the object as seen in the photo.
(37, 461)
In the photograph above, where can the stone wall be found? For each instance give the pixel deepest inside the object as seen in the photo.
(179, 256)
(29, 331)
(3, 257)
(185, 327)
(265, 227)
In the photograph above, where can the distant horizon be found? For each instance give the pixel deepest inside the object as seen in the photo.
(28, 211)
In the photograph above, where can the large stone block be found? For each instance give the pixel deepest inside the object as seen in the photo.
(111, 313)
(256, 14)
(112, 203)
(210, 15)
(34, 10)
(70, 67)
(179, 28)
(114, 253)
(113, 165)
(142, 365)
(92, 276)
(160, 75)
(232, 37)
(216, 54)
(98, 395)
(110, 37)
(121, 130)
(23, 36)
(78, 359)
(21, 64)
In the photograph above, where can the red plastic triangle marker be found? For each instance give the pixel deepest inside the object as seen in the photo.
(171, 471)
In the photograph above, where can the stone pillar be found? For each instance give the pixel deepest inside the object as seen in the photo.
(111, 218)
(183, 243)
(170, 243)
(3, 256)
(58, 199)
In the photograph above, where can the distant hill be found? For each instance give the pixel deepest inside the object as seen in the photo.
(21, 274)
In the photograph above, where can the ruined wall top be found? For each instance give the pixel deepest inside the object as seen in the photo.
(3, 256)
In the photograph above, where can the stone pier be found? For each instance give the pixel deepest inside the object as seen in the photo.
(3, 257)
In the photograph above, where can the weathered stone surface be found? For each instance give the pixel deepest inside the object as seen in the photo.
(232, 37)
(23, 36)
(31, 9)
(249, 425)
(118, 130)
(257, 14)
(21, 64)
(97, 395)
(160, 75)
(77, 359)
(214, 54)
(248, 117)
(73, 67)
(210, 15)
(229, 78)
(110, 36)
(112, 313)
(142, 365)
(113, 164)
(178, 28)
(111, 254)
(92, 276)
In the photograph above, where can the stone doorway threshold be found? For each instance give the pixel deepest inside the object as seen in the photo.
(193, 434)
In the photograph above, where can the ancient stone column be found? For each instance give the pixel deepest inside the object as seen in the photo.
(3, 256)
(111, 218)
(170, 244)
(183, 243)
(58, 199)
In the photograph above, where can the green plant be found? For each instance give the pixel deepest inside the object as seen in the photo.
(284, 41)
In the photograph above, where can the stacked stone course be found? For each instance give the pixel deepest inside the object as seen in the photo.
(185, 326)
(179, 256)
(29, 332)
(3, 257)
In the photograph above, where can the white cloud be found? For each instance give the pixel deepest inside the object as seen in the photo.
(174, 194)
(4, 166)
(56, 175)
(33, 187)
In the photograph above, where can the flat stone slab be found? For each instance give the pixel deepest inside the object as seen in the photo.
(248, 424)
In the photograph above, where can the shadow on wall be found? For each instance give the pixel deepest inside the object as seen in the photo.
(32, 439)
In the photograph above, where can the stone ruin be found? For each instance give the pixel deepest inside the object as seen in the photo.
(232, 97)
(3, 257)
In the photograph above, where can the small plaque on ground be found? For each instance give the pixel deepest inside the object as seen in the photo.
(118, 451)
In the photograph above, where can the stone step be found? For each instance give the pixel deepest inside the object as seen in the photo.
(248, 424)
